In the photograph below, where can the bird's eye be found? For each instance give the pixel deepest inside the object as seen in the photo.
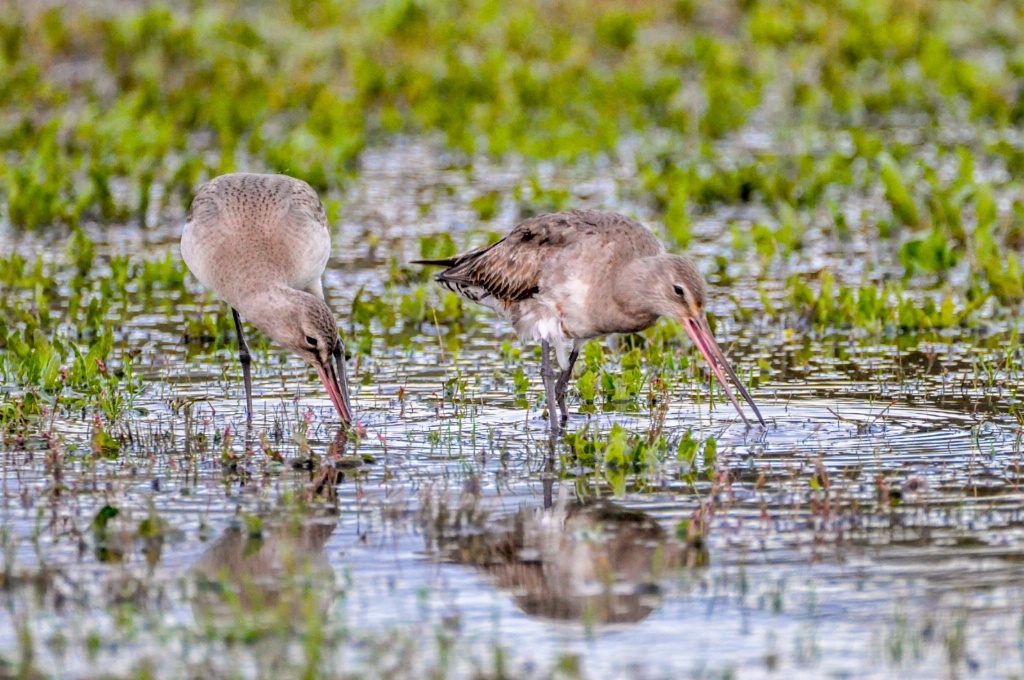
(311, 341)
(680, 291)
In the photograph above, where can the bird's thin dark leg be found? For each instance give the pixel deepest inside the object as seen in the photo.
(563, 383)
(549, 384)
(245, 359)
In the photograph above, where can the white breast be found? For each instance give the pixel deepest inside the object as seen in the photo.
(538, 320)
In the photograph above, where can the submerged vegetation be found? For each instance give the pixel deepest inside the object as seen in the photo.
(849, 176)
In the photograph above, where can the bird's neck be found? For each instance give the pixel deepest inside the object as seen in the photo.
(273, 309)
(631, 310)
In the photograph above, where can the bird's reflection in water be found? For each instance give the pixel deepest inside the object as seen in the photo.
(271, 572)
(595, 561)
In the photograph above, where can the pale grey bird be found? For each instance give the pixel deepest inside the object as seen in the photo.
(566, 277)
(261, 243)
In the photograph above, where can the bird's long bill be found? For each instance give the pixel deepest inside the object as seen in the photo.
(701, 336)
(337, 387)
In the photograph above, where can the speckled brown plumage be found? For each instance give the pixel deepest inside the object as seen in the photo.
(512, 269)
(566, 277)
(249, 220)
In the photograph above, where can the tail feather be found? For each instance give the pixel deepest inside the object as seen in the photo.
(446, 262)
(457, 275)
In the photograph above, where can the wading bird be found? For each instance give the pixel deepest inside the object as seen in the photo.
(570, 276)
(260, 243)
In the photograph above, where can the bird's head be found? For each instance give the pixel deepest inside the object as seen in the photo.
(675, 288)
(313, 335)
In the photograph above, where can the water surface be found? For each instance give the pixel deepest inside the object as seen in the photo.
(872, 530)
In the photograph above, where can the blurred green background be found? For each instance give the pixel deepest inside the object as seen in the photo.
(106, 108)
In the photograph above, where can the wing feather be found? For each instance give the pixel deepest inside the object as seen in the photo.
(511, 269)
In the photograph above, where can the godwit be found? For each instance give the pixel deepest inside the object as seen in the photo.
(261, 242)
(570, 276)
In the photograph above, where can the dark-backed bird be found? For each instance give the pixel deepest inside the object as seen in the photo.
(261, 243)
(564, 278)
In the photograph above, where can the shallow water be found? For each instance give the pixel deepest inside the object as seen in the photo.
(873, 529)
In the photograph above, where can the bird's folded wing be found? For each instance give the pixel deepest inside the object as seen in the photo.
(511, 269)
